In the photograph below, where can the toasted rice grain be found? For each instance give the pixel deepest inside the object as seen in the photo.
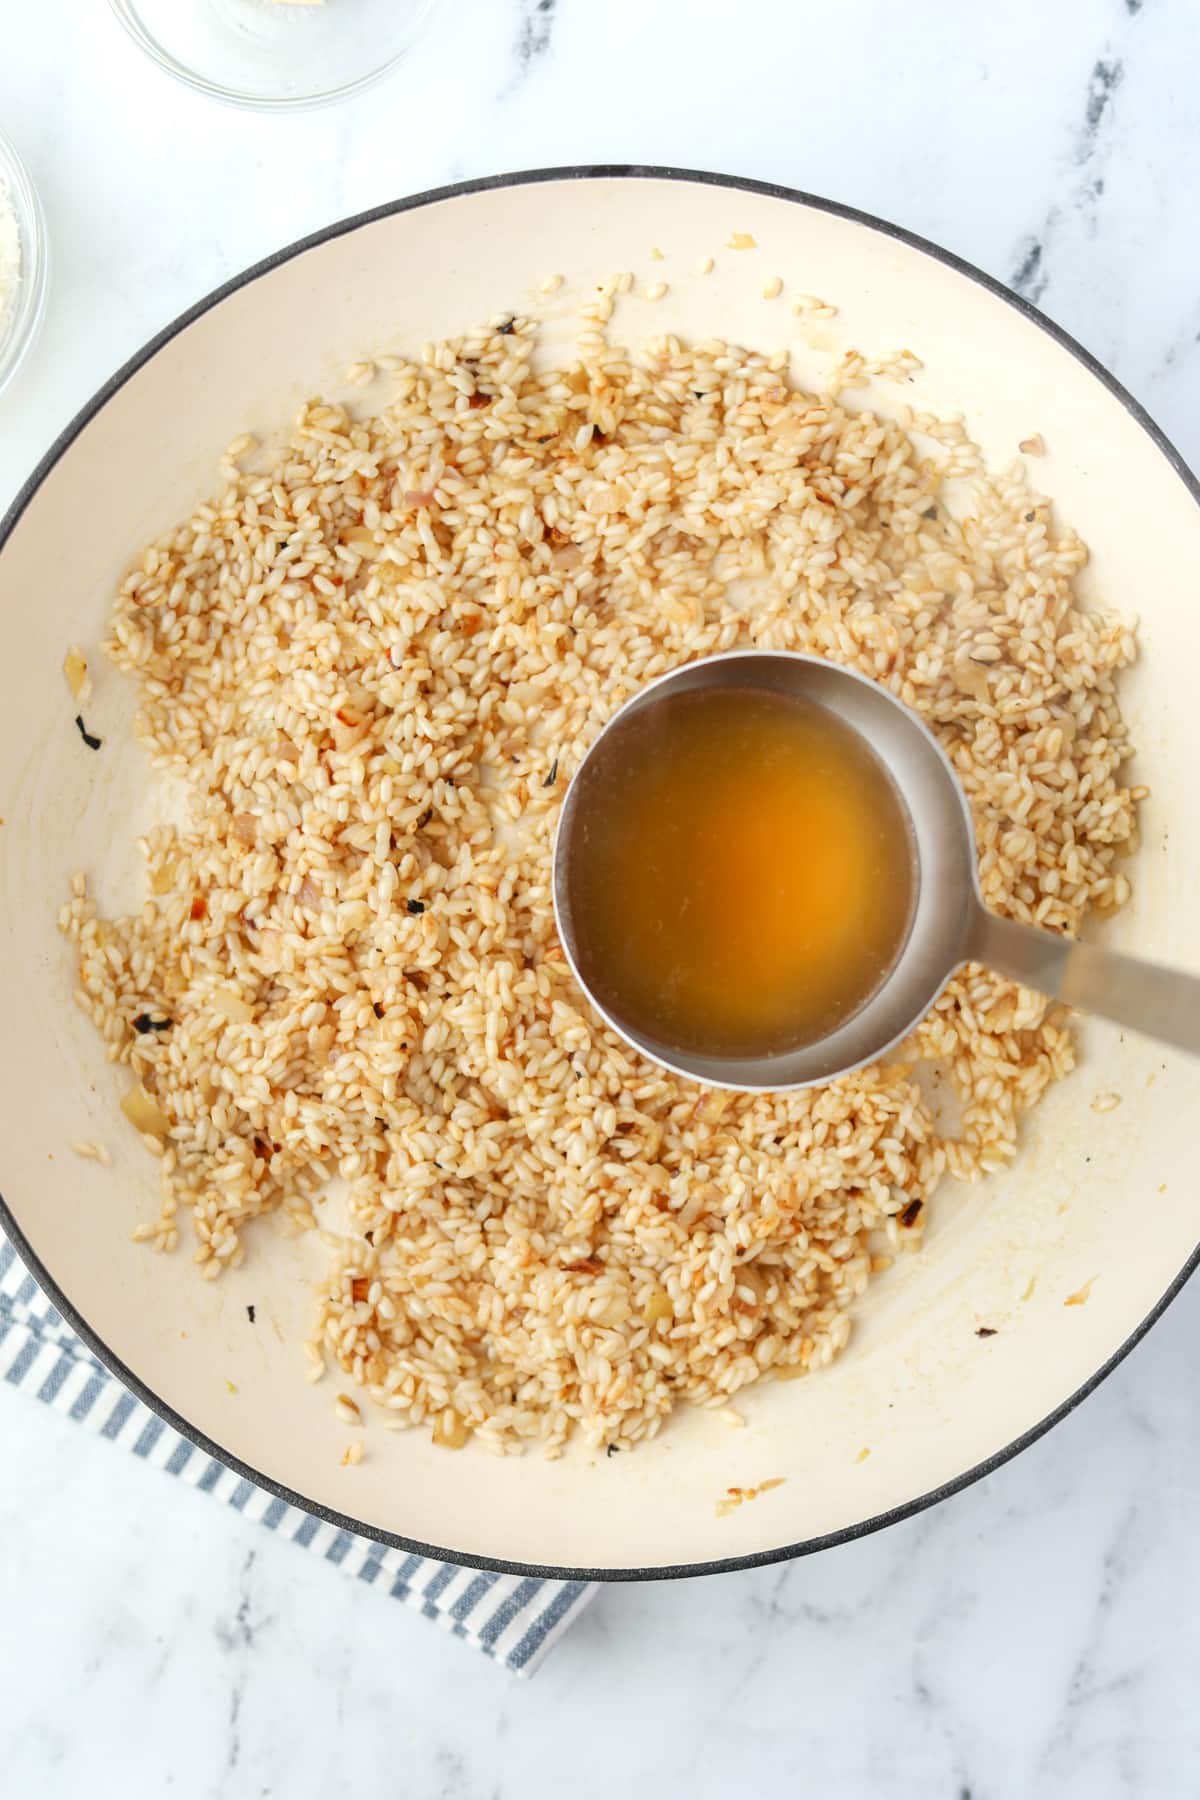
(92, 1151)
(812, 307)
(366, 656)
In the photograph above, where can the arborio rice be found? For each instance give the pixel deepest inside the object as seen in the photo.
(376, 658)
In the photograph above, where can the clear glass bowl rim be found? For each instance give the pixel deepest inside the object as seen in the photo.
(22, 329)
(127, 12)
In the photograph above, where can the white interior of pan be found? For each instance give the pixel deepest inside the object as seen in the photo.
(1104, 1199)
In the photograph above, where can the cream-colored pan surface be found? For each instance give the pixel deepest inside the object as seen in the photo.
(1097, 1201)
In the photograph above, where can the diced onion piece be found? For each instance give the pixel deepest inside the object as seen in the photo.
(658, 1306)
(449, 1431)
(349, 731)
(76, 671)
(231, 1006)
(144, 1113)
(971, 678)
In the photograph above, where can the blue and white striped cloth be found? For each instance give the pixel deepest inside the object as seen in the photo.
(509, 1617)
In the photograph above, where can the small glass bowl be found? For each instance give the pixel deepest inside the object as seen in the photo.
(20, 325)
(276, 55)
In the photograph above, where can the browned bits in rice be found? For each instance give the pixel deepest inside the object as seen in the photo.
(363, 654)
(737, 1496)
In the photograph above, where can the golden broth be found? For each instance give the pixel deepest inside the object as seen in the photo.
(740, 872)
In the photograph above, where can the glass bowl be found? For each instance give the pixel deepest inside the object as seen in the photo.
(275, 55)
(21, 321)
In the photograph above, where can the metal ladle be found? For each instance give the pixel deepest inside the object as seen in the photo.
(950, 924)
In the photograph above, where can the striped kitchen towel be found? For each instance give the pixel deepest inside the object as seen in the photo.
(512, 1618)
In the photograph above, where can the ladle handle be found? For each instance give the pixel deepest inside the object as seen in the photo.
(1162, 1003)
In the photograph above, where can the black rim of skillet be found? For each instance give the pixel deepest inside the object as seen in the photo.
(344, 1521)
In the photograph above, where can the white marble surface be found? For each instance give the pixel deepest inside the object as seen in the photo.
(1036, 1635)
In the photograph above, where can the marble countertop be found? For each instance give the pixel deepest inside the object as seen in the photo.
(1035, 1635)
